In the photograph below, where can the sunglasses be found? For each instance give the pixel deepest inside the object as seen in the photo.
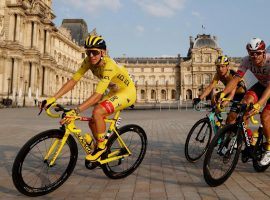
(92, 52)
(256, 53)
(220, 66)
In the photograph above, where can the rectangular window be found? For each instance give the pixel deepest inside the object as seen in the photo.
(45, 40)
(43, 81)
(30, 74)
(32, 33)
(15, 27)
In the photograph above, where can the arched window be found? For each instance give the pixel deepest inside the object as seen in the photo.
(163, 94)
(153, 94)
(173, 94)
(142, 94)
(188, 94)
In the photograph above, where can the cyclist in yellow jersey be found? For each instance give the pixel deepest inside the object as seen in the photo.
(111, 75)
(224, 74)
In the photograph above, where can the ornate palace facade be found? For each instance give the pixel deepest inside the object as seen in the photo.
(37, 58)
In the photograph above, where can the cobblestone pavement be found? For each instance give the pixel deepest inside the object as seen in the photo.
(164, 173)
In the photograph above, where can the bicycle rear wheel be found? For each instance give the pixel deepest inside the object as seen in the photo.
(258, 154)
(198, 140)
(32, 175)
(136, 140)
(222, 155)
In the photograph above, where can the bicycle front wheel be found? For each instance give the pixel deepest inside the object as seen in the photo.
(136, 141)
(222, 155)
(31, 173)
(198, 140)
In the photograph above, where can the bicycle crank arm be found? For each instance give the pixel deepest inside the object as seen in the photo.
(107, 160)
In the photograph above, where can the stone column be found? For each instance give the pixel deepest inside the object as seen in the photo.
(18, 29)
(11, 27)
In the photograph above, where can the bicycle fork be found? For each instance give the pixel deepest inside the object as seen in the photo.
(56, 148)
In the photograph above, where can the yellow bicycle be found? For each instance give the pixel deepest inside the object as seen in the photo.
(46, 161)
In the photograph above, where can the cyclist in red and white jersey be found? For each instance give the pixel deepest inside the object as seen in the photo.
(258, 62)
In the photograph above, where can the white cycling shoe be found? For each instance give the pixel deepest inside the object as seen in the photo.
(266, 158)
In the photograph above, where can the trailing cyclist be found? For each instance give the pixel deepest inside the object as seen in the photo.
(224, 74)
(258, 62)
(110, 73)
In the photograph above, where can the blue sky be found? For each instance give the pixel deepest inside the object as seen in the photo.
(148, 28)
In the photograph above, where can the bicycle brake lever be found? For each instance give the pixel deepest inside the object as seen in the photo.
(43, 103)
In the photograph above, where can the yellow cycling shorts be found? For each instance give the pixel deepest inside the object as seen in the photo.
(118, 100)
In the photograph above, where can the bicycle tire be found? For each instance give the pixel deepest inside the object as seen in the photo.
(258, 154)
(32, 153)
(222, 140)
(205, 143)
(116, 169)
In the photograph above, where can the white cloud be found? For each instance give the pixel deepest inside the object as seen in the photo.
(197, 14)
(94, 6)
(161, 8)
(139, 30)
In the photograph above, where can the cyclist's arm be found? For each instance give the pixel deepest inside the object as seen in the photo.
(65, 88)
(92, 100)
(208, 89)
(72, 82)
(103, 84)
(265, 96)
(232, 93)
(232, 85)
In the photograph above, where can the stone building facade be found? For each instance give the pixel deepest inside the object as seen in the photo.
(177, 78)
(36, 58)
(156, 79)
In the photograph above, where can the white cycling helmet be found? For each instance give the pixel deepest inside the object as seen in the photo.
(256, 44)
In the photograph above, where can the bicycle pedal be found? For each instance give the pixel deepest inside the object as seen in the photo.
(91, 165)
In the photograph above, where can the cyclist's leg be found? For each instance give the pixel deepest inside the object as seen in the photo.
(265, 118)
(110, 104)
(233, 111)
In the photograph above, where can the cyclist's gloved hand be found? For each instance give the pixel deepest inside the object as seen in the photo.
(47, 103)
(255, 110)
(220, 96)
(69, 116)
(196, 101)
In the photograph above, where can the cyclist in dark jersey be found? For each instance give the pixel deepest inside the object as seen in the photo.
(224, 74)
(258, 62)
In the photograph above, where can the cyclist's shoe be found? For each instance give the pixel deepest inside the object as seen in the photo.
(96, 154)
(266, 158)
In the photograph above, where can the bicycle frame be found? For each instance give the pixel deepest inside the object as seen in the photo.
(70, 128)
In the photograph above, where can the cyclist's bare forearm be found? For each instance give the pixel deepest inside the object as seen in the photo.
(207, 91)
(92, 100)
(65, 88)
(232, 85)
(265, 95)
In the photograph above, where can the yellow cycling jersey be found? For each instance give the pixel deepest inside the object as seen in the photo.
(241, 88)
(111, 72)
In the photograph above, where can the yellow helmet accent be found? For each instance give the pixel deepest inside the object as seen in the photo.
(94, 42)
(222, 60)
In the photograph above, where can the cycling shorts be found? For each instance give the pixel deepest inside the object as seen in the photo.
(118, 100)
(256, 91)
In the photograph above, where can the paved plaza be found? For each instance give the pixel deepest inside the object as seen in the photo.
(164, 173)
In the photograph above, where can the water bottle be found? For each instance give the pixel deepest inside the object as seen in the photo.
(89, 140)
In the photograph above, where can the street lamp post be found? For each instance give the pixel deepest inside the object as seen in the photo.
(25, 85)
